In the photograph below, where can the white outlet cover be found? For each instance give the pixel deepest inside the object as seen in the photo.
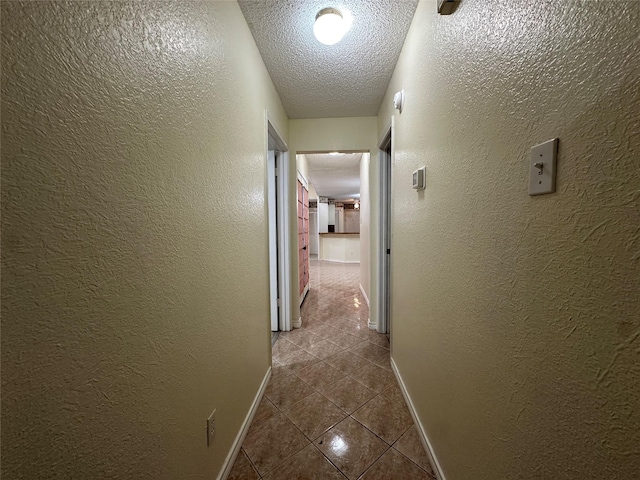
(542, 168)
(211, 427)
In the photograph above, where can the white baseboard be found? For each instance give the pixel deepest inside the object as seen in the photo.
(366, 299)
(297, 323)
(340, 261)
(235, 448)
(372, 325)
(437, 469)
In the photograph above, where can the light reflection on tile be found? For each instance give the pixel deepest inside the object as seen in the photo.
(351, 447)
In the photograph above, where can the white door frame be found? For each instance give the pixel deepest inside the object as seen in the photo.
(273, 237)
(279, 241)
(385, 156)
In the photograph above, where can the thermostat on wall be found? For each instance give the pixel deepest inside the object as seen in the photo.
(419, 178)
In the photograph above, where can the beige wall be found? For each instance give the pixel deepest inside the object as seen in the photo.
(302, 166)
(134, 249)
(335, 134)
(313, 195)
(332, 134)
(515, 319)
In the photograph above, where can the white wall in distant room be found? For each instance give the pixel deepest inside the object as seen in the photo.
(314, 239)
(323, 217)
(313, 195)
(340, 248)
(339, 219)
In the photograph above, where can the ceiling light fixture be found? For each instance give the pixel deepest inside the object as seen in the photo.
(330, 26)
(333, 154)
(356, 205)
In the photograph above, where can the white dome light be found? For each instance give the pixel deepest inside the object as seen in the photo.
(330, 26)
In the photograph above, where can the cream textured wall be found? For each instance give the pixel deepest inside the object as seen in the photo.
(332, 134)
(134, 250)
(302, 166)
(515, 319)
(336, 134)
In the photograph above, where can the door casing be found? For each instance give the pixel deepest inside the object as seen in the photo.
(384, 255)
(279, 241)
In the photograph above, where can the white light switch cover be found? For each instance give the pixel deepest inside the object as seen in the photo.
(542, 168)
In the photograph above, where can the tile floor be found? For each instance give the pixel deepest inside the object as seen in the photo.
(333, 408)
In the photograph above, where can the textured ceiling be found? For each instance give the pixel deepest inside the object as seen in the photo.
(335, 176)
(348, 79)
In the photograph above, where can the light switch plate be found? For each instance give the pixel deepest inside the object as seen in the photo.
(542, 168)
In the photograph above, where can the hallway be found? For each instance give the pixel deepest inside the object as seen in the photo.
(332, 395)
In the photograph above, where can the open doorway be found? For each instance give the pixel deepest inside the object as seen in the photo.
(338, 226)
(333, 182)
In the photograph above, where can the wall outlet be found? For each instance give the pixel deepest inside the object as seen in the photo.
(211, 427)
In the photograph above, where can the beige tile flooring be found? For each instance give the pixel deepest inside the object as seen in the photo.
(333, 408)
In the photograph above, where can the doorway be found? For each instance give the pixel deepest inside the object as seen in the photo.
(339, 223)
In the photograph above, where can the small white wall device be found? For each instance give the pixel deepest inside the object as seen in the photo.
(419, 178)
(398, 100)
